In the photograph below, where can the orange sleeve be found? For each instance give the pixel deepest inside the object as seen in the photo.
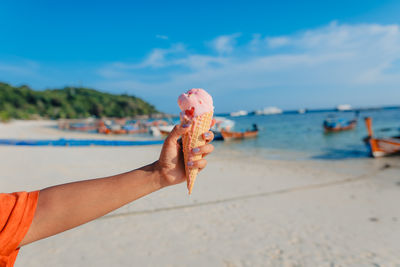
(16, 215)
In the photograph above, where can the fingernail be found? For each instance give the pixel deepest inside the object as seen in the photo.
(190, 163)
(207, 134)
(185, 125)
(196, 150)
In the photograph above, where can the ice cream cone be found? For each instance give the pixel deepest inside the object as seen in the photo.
(197, 108)
(192, 139)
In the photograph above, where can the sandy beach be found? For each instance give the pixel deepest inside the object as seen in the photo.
(244, 211)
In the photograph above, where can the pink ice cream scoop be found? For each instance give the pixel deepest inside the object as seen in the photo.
(195, 103)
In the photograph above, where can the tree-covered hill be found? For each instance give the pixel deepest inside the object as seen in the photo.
(70, 102)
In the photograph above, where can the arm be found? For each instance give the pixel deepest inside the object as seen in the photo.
(66, 206)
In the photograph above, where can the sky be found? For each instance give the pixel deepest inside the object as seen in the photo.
(246, 54)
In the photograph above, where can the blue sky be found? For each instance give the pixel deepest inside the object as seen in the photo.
(247, 54)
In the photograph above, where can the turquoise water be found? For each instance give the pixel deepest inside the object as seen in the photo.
(301, 136)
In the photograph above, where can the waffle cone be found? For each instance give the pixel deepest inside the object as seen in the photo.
(194, 139)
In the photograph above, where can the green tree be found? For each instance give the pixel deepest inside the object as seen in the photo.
(70, 102)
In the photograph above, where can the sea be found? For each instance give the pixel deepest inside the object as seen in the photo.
(295, 136)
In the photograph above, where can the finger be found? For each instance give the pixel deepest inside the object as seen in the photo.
(199, 164)
(208, 136)
(177, 132)
(205, 150)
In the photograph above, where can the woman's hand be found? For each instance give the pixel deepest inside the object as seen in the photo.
(66, 206)
(171, 163)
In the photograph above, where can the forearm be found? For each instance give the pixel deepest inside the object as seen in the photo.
(66, 206)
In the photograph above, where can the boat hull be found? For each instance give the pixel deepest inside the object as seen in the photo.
(383, 147)
(351, 126)
(380, 147)
(238, 135)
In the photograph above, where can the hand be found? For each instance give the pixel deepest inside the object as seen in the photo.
(171, 163)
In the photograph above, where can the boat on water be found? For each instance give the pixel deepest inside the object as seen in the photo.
(380, 147)
(269, 111)
(333, 124)
(229, 135)
(302, 111)
(344, 107)
(221, 124)
(338, 125)
(239, 113)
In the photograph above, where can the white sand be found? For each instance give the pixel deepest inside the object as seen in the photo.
(243, 211)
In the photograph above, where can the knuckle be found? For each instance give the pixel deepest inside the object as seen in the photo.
(202, 162)
(211, 149)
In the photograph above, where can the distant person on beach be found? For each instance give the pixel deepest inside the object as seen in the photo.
(26, 217)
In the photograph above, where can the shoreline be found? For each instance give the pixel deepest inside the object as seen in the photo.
(46, 129)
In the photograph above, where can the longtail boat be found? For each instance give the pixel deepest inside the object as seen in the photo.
(83, 127)
(227, 135)
(339, 125)
(221, 124)
(112, 129)
(380, 147)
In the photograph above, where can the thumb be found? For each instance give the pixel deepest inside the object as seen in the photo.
(177, 132)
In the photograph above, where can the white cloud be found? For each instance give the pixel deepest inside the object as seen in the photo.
(277, 41)
(224, 44)
(328, 62)
(157, 58)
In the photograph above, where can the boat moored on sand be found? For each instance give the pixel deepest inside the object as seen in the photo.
(380, 147)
